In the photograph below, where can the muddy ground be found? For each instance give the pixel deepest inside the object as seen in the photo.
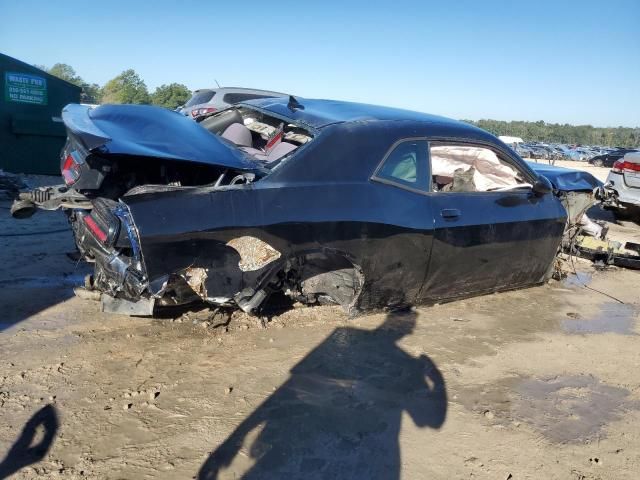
(535, 383)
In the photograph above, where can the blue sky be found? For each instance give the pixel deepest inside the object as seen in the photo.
(560, 61)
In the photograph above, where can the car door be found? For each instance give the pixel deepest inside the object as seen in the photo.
(487, 240)
(399, 242)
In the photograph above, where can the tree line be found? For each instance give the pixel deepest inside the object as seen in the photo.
(563, 133)
(127, 87)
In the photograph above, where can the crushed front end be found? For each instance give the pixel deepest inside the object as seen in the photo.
(583, 237)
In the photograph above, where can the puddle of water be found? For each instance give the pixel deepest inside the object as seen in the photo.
(612, 318)
(564, 408)
(569, 408)
(580, 279)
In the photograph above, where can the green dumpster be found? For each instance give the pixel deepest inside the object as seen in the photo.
(31, 129)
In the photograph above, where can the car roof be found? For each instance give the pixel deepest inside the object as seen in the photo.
(320, 113)
(239, 90)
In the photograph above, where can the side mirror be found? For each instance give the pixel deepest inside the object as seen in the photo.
(542, 186)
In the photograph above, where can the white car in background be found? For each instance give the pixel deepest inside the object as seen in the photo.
(624, 183)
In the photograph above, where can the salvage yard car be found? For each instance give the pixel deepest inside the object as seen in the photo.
(624, 183)
(206, 101)
(363, 206)
(607, 159)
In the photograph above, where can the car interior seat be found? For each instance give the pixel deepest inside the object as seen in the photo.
(238, 134)
(277, 153)
(280, 150)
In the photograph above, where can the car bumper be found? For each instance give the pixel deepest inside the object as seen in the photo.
(623, 192)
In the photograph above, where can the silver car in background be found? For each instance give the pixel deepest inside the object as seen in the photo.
(624, 184)
(206, 101)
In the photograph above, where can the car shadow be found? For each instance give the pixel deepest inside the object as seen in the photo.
(37, 273)
(339, 414)
(21, 303)
(598, 213)
(24, 451)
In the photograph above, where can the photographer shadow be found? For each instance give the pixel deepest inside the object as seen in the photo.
(339, 414)
(23, 452)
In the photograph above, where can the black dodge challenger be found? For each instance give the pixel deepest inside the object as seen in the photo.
(364, 206)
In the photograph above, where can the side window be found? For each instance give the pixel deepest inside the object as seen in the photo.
(253, 96)
(465, 168)
(241, 97)
(406, 165)
(232, 98)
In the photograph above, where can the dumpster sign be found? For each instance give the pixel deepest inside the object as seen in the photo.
(25, 88)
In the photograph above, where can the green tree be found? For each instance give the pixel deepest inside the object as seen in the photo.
(569, 134)
(90, 91)
(66, 72)
(127, 87)
(170, 96)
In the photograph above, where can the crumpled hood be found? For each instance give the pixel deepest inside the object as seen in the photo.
(566, 179)
(148, 131)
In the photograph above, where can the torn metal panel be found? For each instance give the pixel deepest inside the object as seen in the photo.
(576, 204)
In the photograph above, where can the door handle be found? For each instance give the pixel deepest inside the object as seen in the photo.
(450, 213)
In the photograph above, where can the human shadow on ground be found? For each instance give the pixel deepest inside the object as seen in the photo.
(339, 414)
(24, 452)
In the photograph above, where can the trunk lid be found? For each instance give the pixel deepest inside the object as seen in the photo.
(152, 132)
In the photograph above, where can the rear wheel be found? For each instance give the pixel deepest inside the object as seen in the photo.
(598, 162)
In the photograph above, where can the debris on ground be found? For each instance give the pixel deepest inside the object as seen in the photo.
(608, 252)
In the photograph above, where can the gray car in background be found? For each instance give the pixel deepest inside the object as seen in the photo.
(206, 101)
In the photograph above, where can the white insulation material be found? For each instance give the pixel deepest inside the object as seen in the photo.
(590, 227)
(490, 172)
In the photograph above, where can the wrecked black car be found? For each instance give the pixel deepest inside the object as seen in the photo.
(358, 205)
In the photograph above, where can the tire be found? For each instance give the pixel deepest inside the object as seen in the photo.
(598, 163)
